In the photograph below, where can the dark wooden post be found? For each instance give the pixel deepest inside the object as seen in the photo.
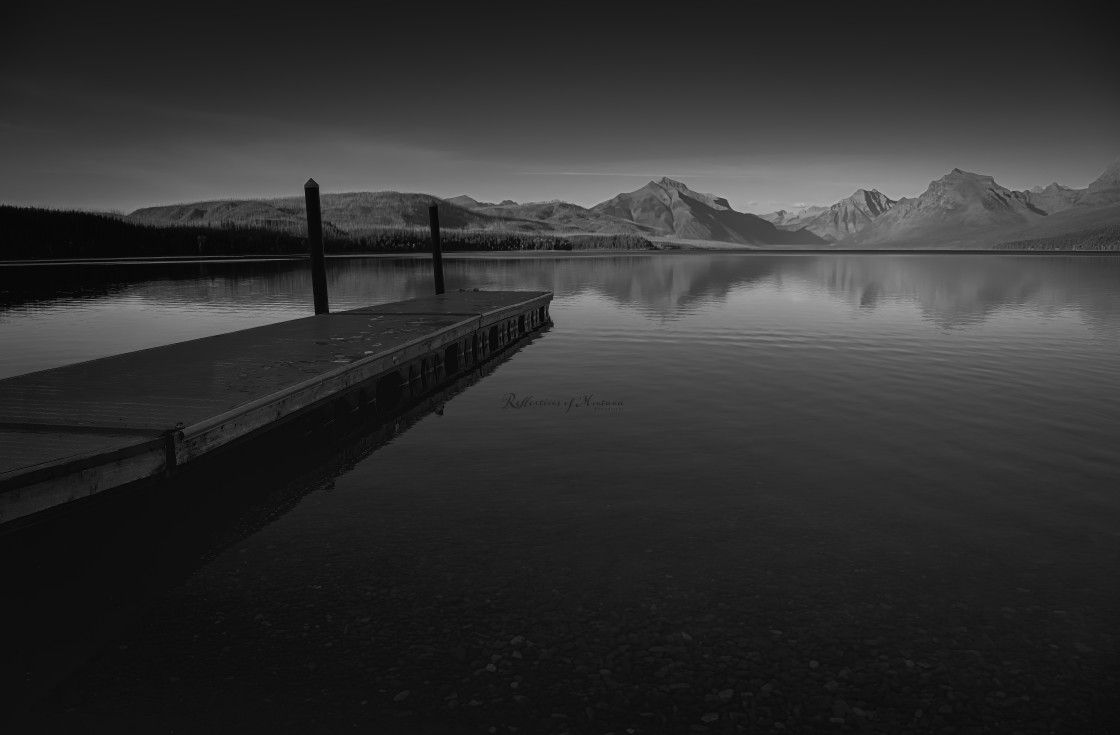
(437, 253)
(315, 243)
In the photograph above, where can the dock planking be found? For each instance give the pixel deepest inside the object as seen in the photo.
(79, 430)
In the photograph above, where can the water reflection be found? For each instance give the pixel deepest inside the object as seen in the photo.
(958, 291)
(59, 314)
(950, 290)
(879, 464)
(74, 285)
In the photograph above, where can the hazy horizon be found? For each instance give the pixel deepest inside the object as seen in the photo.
(116, 110)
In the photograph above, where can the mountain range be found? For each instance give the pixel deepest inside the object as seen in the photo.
(841, 220)
(957, 206)
(661, 209)
(670, 207)
(961, 209)
(784, 217)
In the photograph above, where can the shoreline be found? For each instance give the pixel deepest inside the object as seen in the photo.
(156, 260)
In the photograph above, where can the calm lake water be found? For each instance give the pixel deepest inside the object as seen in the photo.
(724, 492)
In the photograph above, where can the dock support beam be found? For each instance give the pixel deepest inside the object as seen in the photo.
(437, 250)
(315, 243)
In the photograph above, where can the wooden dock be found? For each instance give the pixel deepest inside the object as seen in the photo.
(72, 432)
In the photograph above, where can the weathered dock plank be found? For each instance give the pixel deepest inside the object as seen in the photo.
(78, 430)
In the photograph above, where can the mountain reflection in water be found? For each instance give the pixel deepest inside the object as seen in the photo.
(72, 307)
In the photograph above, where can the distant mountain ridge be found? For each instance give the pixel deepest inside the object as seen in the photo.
(467, 202)
(664, 208)
(784, 217)
(958, 205)
(567, 217)
(961, 209)
(346, 212)
(1053, 198)
(355, 212)
(1106, 188)
(843, 219)
(470, 203)
(676, 210)
(967, 209)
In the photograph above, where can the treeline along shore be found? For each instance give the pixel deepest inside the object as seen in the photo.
(30, 233)
(1102, 238)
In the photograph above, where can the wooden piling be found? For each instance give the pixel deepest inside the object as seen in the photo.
(437, 252)
(315, 243)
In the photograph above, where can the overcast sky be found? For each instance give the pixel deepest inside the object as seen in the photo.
(118, 109)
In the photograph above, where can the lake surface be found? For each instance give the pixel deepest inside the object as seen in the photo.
(724, 492)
